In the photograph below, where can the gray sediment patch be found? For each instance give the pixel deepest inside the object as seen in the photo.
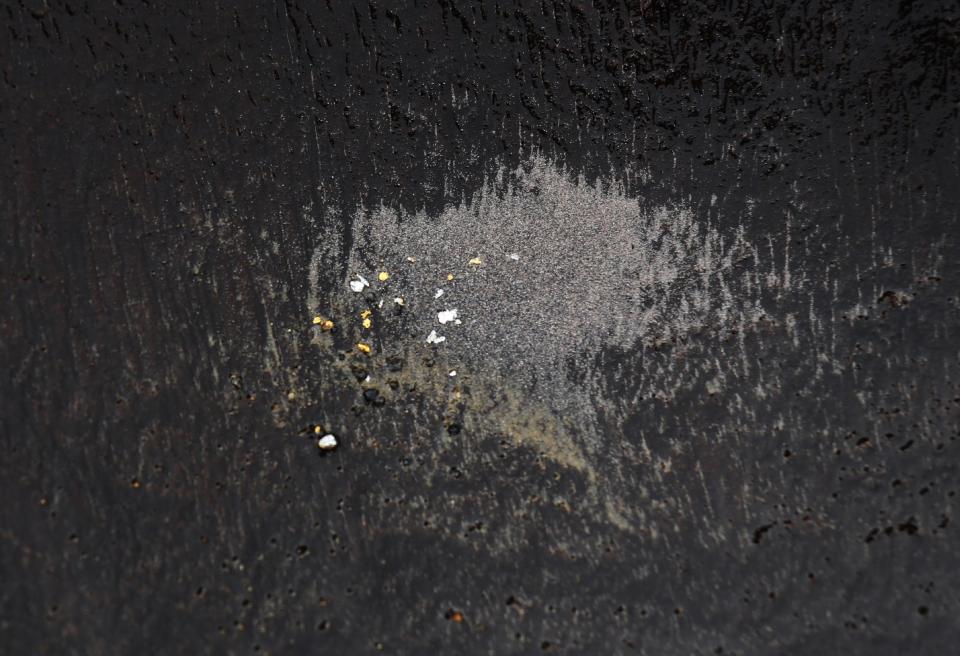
(545, 271)
(565, 268)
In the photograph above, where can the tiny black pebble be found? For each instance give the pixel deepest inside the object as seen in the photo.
(371, 395)
(359, 372)
(394, 364)
(453, 429)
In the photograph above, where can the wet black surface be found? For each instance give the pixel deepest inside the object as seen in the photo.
(168, 172)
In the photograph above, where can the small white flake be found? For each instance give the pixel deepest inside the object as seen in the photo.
(380, 304)
(433, 338)
(453, 372)
(438, 294)
(358, 284)
(514, 256)
(327, 443)
(447, 315)
(398, 301)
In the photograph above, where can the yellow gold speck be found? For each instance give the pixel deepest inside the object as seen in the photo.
(367, 323)
(364, 348)
(384, 276)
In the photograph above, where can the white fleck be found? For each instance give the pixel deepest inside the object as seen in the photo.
(453, 372)
(327, 443)
(457, 322)
(380, 304)
(398, 300)
(447, 315)
(514, 256)
(438, 294)
(358, 284)
(433, 338)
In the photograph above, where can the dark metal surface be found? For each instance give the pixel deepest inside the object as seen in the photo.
(784, 485)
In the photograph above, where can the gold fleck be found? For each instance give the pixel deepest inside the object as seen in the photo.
(365, 314)
(317, 320)
(449, 276)
(364, 348)
(367, 323)
(476, 261)
(317, 429)
(384, 276)
(326, 326)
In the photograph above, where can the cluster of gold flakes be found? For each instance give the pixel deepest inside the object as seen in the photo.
(327, 325)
